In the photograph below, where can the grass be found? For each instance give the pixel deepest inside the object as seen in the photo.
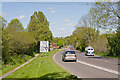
(105, 55)
(14, 62)
(43, 67)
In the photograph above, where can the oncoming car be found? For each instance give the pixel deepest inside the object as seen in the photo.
(69, 55)
(89, 51)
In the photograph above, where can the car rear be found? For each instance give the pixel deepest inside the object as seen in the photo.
(70, 55)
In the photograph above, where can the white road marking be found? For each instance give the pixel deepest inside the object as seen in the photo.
(101, 59)
(98, 67)
(63, 66)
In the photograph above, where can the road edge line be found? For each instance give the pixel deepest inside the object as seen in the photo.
(61, 65)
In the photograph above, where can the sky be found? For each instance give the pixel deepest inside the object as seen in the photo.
(62, 16)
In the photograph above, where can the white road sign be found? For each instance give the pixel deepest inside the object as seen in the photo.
(44, 46)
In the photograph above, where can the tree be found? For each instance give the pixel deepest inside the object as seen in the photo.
(2, 22)
(39, 27)
(100, 44)
(16, 41)
(106, 14)
(16, 24)
(113, 42)
(2, 26)
(82, 36)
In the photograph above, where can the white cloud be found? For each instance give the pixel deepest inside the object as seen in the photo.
(67, 20)
(53, 11)
(69, 24)
(51, 8)
(21, 17)
(62, 29)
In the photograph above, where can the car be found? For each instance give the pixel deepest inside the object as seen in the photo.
(89, 51)
(72, 48)
(68, 55)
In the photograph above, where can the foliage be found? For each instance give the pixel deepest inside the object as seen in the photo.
(14, 61)
(100, 44)
(16, 41)
(105, 14)
(39, 27)
(114, 43)
(82, 36)
(2, 22)
(59, 41)
(16, 25)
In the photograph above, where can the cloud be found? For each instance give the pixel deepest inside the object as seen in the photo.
(67, 20)
(21, 17)
(52, 11)
(51, 8)
(69, 24)
(62, 29)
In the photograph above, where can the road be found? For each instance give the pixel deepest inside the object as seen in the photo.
(89, 66)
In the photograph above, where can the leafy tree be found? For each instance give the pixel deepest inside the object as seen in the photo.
(60, 43)
(2, 26)
(113, 42)
(16, 41)
(100, 44)
(106, 14)
(39, 27)
(82, 36)
(16, 24)
(2, 22)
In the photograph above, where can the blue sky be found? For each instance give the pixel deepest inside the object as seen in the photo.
(63, 17)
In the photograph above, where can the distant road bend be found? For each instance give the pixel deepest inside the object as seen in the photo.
(89, 66)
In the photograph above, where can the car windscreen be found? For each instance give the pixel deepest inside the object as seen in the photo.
(90, 49)
(69, 52)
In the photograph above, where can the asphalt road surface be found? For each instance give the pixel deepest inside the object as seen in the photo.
(89, 66)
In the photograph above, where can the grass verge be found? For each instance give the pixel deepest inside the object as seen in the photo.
(43, 67)
(105, 55)
(14, 62)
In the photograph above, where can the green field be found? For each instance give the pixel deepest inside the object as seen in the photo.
(43, 67)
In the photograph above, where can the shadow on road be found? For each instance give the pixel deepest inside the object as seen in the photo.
(95, 57)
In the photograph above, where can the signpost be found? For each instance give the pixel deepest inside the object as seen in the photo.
(44, 46)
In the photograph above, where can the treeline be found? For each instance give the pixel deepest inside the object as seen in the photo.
(103, 17)
(18, 44)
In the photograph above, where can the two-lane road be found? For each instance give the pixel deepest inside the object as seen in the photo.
(89, 66)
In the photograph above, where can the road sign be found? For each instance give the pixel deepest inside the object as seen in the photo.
(44, 46)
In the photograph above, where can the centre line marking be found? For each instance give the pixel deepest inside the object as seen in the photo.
(98, 67)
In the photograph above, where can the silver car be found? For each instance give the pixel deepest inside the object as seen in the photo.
(69, 55)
